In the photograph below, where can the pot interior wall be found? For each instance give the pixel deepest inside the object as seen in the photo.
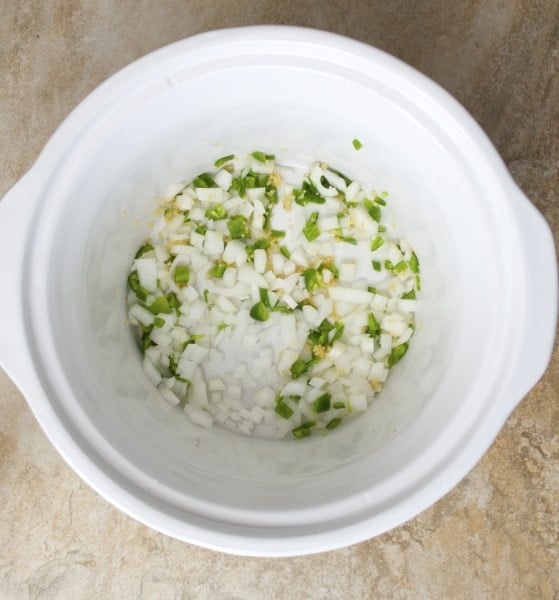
(109, 188)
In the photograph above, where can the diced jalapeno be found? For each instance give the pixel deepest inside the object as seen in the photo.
(218, 270)
(134, 283)
(223, 160)
(308, 194)
(377, 243)
(147, 247)
(298, 368)
(264, 297)
(397, 354)
(160, 305)
(182, 274)
(283, 409)
(260, 312)
(401, 266)
(322, 403)
(339, 331)
(216, 212)
(238, 227)
(373, 328)
(261, 156)
(414, 263)
(373, 209)
(313, 279)
(311, 230)
(204, 180)
(303, 430)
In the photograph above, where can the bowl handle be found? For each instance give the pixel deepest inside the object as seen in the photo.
(540, 309)
(16, 212)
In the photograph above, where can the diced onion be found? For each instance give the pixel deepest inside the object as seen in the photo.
(271, 303)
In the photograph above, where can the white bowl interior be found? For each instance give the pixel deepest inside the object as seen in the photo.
(169, 128)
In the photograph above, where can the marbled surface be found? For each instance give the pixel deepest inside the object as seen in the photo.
(496, 535)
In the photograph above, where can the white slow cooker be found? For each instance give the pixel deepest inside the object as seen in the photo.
(69, 228)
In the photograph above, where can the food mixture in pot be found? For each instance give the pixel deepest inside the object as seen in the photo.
(273, 300)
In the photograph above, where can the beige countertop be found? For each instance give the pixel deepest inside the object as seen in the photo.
(496, 535)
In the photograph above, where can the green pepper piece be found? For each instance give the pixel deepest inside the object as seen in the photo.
(218, 270)
(134, 283)
(204, 180)
(145, 339)
(401, 266)
(311, 230)
(313, 279)
(377, 243)
(339, 326)
(160, 305)
(216, 212)
(224, 159)
(238, 227)
(182, 274)
(298, 368)
(340, 174)
(307, 194)
(372, 209)
(158, 322)
(264, 297)
(285, 251)
(317, 337)
(283, 409)
(373, 328)
(239, 185)
(303, 430)
(147, 247)
(260, 312)
(281, 308)
(325, 325)
(255, 180)
(414, 263)
(262, 244)
(261, 156)
(397, 354)
(174, 302)
(322, 403)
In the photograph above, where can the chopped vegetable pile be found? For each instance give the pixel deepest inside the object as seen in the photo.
(270, 301)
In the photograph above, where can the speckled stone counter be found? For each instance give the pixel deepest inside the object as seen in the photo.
(496, 535)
